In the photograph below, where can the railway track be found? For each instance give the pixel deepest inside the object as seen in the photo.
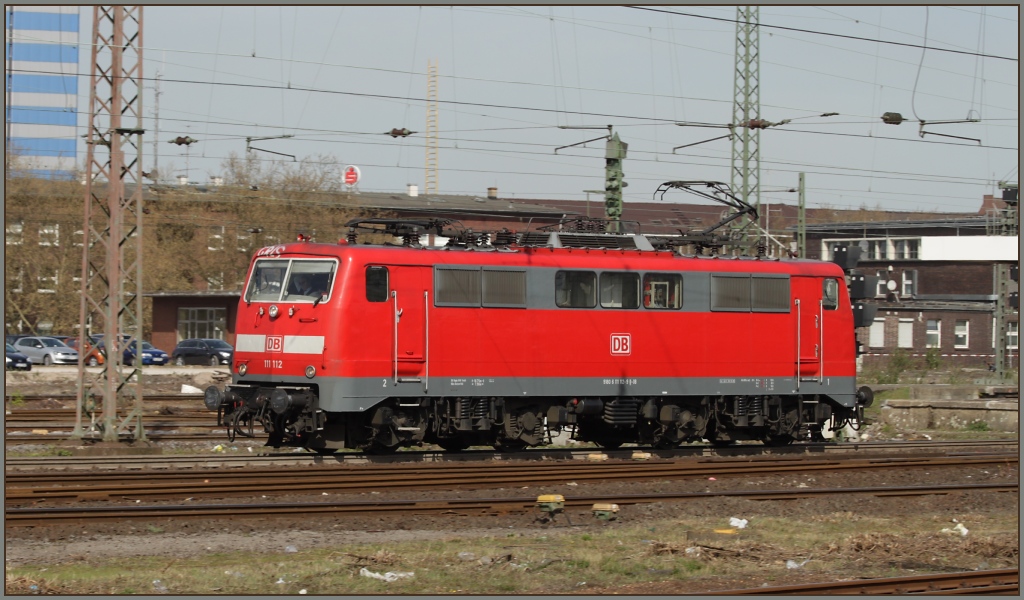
(25, 488)
(48, 516)
(269, 456)
(990, 582)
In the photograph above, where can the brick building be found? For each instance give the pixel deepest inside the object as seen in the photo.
(936, 285)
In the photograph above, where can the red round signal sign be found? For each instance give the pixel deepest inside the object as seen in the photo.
(351, 175)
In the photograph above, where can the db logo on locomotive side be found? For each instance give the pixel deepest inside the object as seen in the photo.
(275, 343)
(621, 345)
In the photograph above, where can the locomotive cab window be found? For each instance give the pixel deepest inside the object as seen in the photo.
(377, 284)
(576, 289)
(265, 283)
(620, 290)
(830, 294)
(663, 291)
(309, 280)
(280, 279)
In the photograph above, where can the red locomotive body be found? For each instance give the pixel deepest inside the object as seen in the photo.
(396, 345)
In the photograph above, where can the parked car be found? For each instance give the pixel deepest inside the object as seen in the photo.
(94, 356)
(47, 351)
(16, 360)
(11, 338)
(202, 351)
(151, 355)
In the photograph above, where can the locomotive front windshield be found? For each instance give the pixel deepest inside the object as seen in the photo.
(290, 280)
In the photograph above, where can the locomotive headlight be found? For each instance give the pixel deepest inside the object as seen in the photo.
(242, 369)
(310, 371)
(273, 311)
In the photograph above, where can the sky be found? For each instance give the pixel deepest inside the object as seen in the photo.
(511, 79)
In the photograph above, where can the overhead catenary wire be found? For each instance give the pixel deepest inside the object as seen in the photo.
(838, 35)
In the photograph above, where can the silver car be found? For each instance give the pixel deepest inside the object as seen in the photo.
(47, 350)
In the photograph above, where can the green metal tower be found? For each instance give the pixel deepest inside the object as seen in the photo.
(615, 152)
(746, 140)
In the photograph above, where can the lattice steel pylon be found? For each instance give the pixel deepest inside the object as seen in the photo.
(745, 179)
(111, 285)
(430, 180)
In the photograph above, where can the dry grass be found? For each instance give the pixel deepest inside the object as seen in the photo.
(558, 559)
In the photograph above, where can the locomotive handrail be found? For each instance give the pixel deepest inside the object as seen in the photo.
(394, 298)
(426, 341)
(797, 301)
(821, 340)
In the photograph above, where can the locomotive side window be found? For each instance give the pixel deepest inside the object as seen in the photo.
(769, 294)
(829, 294)
(265, 284)
(620, 290)
(456, 287)
(377, 284)
(504, 288)
(576, 289)
(730, 292)
(663, 291)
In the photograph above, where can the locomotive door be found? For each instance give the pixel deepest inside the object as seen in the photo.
(410, 295)
(808, 311)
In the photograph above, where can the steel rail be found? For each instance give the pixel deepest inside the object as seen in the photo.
(995, 581)
(299, 458)
(23, 487)
(41, 516)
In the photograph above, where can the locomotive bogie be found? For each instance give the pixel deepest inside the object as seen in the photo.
(410, 346)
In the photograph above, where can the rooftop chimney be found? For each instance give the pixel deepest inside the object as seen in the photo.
(492, 193)
(414, 190)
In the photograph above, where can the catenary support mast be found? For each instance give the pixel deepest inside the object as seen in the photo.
(111, 283)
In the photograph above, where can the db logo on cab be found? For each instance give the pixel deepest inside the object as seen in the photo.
(621, 345)
(275, 343)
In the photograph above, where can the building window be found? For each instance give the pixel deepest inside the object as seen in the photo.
(215, 282)
(877, 250)
(76, 238)
(961, 334)
(1012, 335)
(48, 282)
(905, 334)
(876, 334)
(216, 239)
(201, 323)
(243, 240)
(883, 278)
(15, 233)
(17, 282)
(933, 334)
(49, 235)
(909, 287)
(906, 249)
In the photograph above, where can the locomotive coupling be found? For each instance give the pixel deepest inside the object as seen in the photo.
(213, 398)
(865, 396)
(282, 402)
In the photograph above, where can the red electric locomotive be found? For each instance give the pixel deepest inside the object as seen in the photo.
(378, 346)
(503, 342)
